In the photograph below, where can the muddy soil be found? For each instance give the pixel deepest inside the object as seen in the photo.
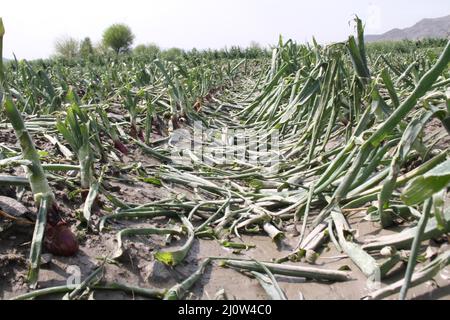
(138, 267)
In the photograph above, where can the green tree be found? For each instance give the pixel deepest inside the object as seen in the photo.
(151, 50)
(100, 48)
(86, 48)
(67, 47)
(254, 50)
(140, 50)
(118, 37)
(172, 54)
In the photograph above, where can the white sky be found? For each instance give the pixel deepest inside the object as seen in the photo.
(32, 26)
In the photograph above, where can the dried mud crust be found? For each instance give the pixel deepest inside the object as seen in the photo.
(138, 267)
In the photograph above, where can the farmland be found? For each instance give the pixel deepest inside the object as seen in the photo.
(308, 171)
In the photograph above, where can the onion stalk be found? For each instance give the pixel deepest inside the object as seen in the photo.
(77, 131)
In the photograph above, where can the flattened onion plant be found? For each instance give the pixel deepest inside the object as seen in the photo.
(61, 239)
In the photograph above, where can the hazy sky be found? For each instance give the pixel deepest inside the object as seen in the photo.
(32, 26)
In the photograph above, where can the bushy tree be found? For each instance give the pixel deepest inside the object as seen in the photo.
(67, 47)
(140, 49)
(118, 37)
(86, 48)
(100, 48)
(172, 54)
(254, 50)
(151, 50)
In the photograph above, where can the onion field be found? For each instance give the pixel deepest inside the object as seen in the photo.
(309, 172)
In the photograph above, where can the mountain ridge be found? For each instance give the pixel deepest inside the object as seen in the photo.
(425, 28)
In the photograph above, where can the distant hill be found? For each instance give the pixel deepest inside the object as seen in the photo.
(425, 28)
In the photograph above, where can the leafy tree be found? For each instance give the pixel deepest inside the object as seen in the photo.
(86, 48)
(172, 54)
(140, 49)
(100, 48)
(67, 47)
(254, 50)
(151, 50)
(118, 37)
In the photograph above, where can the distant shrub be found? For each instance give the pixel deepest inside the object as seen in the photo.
(172, 54)
(151, 50)
(405, 46)
(67, 47)
(86, 48)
